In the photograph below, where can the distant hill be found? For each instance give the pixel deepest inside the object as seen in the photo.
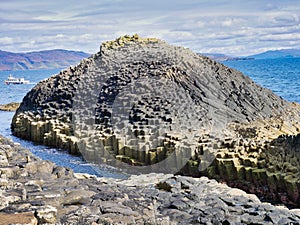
(223, 57)
(48, 59)
(216, 56)
(283, 53)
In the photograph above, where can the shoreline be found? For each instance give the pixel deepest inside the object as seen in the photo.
(47, 193)
(106, 172)
(257, 150)
(58, 156)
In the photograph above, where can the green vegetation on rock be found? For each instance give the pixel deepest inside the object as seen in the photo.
(127, 39)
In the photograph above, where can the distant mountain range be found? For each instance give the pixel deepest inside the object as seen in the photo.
(59, 58)
(223, 57)
(48, 59)
(283, 53)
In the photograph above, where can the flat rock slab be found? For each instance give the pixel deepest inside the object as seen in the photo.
(26, 218)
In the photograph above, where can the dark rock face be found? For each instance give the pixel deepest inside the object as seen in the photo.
(143, 102)
(39, 192)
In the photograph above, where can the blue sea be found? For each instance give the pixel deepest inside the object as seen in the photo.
(282, 76)
(15, 93)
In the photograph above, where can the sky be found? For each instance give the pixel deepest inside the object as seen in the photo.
(232, 27)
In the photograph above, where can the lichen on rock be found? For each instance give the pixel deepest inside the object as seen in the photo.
(127, 39)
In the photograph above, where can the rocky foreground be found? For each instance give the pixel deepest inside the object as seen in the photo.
(144, 103)
(33, 191)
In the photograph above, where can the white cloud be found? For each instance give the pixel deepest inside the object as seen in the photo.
(231, 27)
(281, 37)
(6, 40)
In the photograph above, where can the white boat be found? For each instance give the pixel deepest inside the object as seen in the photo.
(14, 80)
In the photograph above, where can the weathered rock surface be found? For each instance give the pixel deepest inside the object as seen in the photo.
(268, 167)
(39, 192)
(143, 102)
(26, 218)
(13, 106)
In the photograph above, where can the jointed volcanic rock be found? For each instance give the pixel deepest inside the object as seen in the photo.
(144, 102)
(34, 191)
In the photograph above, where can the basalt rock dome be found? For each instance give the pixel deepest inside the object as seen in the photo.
(141, 101)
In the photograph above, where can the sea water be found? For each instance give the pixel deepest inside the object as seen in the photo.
(282, 76)
(15, 93)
